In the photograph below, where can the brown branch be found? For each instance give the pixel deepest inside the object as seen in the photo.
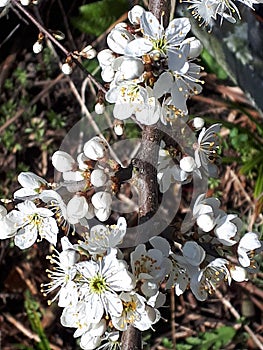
(146, 174)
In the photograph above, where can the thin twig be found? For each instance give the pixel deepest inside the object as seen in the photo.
(57, 43)
(237, 316)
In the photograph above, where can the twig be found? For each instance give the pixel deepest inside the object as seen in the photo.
(29, 334)
(22, 328)
(173, 327)
(9, 35)
(57, 43)
(237, 316)
(90, 119)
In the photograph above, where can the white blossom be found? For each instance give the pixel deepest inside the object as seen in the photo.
(206, 150)
(156, 38)
(133, 307)
(32, 221)
(150, 267)
(100, 282)
(62, 275)
(206, 281)
(31, 183)
(101, 237)
(247, 248)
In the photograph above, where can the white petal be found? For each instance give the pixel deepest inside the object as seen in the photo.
(113, 303)
(135, 13)
(101, 200)
(95, 148)
(163, 84)
(62, 161)
(138, 47)
(26, 237)
(98, 178)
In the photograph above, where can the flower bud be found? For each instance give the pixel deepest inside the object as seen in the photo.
(118, 39)
(108, 74)
(37, 47)
(88, 52)
(187, 164)
(95, 148)
(62, 161)
(99, 108)
(105, 57)
(118, 129)
(131, 68)
(198, 123)
(25, 2)
(98, 178)
(66, 68)
(195, 47)
(101, 200)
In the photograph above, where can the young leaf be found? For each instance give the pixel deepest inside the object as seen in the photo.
(96, 17)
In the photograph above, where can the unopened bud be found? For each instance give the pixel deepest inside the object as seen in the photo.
(25, 2)
(99, 108)
(66, 68)
(118, 128)
(88, 52)
(37, 47)
(187, 164)
(198, 123)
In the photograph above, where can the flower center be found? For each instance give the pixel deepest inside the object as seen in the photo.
(160, 44)
(129, 306)
(98, 284)
(35, 219)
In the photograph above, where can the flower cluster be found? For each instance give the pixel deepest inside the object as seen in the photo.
(146, 62)
(100, 293)
(100, 297)
(200, 158)
(207, 11)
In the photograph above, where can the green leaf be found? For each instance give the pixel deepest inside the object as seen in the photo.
(34, 317)
(252, 163)
(214, 340)
(212, 66)
(96, 17)
(259, 182)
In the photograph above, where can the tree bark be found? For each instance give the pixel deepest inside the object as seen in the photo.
(146, 177)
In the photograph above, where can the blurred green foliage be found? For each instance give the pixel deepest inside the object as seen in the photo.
(96, 17)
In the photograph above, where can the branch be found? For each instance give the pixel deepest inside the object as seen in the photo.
(146, 177)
